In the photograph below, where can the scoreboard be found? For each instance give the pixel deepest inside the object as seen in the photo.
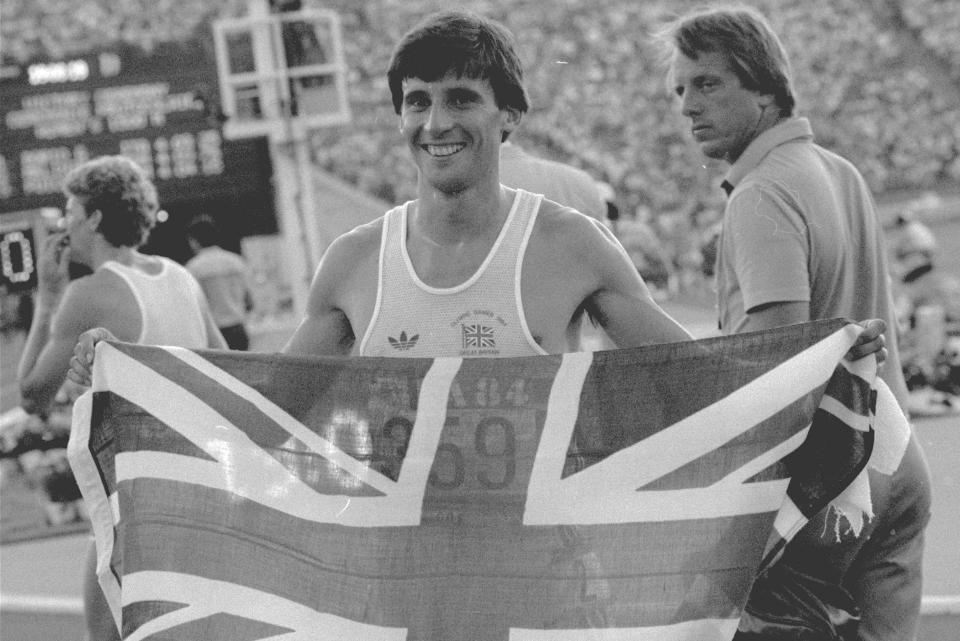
(159, 108)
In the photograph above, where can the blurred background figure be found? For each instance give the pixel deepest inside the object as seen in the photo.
(914, 246)
(223, 277)
(928, 309)
(150, 300)
(557, 181)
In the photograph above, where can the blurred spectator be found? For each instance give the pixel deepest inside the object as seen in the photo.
(557, 181)
(111, 208)
(928, 308)
(223, 277)
(646, 250)
(914, 245)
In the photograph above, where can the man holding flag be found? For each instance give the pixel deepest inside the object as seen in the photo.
(468, 269)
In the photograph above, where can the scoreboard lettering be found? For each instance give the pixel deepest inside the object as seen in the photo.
(157, 107)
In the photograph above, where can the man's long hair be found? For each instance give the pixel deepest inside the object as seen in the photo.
(744, 37)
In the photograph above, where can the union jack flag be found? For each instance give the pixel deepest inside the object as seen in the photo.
(478, 336)
(629, 494)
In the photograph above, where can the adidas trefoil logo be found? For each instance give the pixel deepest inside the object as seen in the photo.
(403, 343)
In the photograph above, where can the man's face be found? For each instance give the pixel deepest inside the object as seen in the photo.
(724, 116)
(454, 127)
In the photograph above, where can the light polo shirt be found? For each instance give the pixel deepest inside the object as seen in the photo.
(800, 225)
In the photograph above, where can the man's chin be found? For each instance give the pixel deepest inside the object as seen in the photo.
(711, 149)
(449, 186)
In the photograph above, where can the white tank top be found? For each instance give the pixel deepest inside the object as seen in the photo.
(482, 317)
(169, 301)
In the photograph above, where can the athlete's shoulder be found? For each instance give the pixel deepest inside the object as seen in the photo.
(359, 241)
(91, 300)
(559, 222)
(349, 254)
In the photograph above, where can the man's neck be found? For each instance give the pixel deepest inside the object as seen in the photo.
(767, 120)
(104, 251)
(444, 218)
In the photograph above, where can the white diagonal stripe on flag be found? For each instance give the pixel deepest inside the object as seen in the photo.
(563, 406)
(431, 417)
(253, 473)
(424, 440)
(614, 480)
(205, 597)
(297, 429)
(843, 413)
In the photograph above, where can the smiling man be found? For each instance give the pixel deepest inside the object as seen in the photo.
(800, 241)
(471, 267)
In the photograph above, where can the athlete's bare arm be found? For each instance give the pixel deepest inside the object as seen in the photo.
(573, 265)
(43, 368)
(341, 296)
(623, 304)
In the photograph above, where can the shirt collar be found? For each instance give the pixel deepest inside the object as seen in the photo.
(786, 131)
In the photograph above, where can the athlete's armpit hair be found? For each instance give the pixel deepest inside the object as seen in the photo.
(597, 318)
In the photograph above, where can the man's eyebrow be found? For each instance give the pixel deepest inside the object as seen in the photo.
(464, 92)
(700, 77)
(413, 93)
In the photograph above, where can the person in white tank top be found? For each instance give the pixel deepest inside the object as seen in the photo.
(385, 287)
(111, 207)
(482, 316)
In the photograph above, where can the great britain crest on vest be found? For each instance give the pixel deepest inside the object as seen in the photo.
(477, 335)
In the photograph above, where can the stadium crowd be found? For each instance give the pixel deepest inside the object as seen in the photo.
(599, 99)
(879, 79)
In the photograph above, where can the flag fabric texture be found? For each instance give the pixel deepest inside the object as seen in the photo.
(627, 494)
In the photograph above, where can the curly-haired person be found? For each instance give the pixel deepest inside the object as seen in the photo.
(111, 208)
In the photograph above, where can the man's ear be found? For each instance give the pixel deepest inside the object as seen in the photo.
(512, 119)
(765, 100)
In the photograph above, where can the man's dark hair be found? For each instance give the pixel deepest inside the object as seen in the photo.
(203, 230)
(744, 37)
(120, 189)
(466, 44)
